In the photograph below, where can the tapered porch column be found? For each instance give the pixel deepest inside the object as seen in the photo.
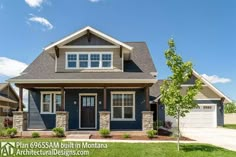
(147, 99)
(20, 99)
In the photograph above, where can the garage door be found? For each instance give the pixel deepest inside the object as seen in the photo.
(204, 116)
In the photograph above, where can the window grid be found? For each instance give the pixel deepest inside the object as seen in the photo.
(51, 101)
(123, 103)
(99, 60)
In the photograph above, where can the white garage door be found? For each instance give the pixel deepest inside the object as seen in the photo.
(204, 116)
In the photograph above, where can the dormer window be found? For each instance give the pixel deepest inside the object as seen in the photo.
(89, 60)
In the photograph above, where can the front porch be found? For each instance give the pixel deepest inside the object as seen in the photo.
(85, 107)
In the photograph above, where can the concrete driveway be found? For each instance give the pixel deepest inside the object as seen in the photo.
(221, 137)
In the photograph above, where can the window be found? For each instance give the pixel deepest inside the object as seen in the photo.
(50, 102)
(83, 60)
(71, 60)
(123, 107)
(88, 60)
(106, 60)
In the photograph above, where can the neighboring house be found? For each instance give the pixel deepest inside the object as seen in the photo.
(89, 80)
(8, 99)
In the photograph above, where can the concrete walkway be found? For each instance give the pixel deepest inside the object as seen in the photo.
(225, 138)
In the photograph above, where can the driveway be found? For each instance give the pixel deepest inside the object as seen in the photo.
(221, 137)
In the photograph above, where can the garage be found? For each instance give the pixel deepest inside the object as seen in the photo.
(204, 116)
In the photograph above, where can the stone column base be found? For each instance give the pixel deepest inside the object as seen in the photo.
(104, 120)
(20, 120)
(147, 120)
(62, 119)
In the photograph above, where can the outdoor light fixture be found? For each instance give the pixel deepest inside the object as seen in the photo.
(75, 102)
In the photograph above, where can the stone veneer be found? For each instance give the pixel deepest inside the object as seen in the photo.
(20, 120)
(62, 119)
(147, 120)
(104, 120)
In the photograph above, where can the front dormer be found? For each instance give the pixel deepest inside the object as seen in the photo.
(89, 50)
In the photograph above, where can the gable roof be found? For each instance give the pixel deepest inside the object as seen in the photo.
(82, 32)
(43, 69)
(155, 89)
(213, 88)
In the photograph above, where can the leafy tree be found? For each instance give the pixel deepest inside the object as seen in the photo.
(178, 101)
(230, 108)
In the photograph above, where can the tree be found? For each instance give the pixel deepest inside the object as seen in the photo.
(178, 101)
(230, 107)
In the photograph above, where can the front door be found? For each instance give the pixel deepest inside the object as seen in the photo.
(87, 113)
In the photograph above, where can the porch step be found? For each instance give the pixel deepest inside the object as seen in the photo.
(78, 136)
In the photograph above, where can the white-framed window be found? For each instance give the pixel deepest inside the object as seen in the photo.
(50, 102)
(122, 106)
(89, 60)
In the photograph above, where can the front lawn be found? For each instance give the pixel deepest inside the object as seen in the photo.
(145, 150)
(230, 126)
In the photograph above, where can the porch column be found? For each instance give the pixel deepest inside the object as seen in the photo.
(147, 99)
(62, 119)
(104, 120)
(20, 121)
(147, 120)
(20, 99)
(105, 99)
(62, 99)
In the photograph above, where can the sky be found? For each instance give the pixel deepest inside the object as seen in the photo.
(204, 31)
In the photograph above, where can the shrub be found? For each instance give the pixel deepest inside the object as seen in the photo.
(35, 135)
(59, 132)
(151, 133)
(126, 135)
(11, 132)
(230, 108)
(104, 132)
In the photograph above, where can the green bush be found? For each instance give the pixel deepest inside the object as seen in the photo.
(11, 132)
(59, 132)
(104, 132)
(126, 135)
(230, 108)
(35, 135)
(151, 133)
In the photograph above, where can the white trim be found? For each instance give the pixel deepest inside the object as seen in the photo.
(213, 88)
(90, 46)
(55, 81)
(93, 31)
(190, 85)
(50, 105)
(122, 106)
(87, 94)
(89, 60)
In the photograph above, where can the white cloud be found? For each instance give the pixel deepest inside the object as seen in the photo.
(41, 20)
(93, 1)
(10, 67)
(216, 79)
(34, 3)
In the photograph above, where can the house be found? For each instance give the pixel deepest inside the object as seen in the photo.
(89, 80)
(8, 99)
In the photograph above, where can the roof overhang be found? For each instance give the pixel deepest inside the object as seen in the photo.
(82, 32)
(54, 81)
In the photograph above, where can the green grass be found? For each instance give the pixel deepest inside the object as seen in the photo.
(148, 150)
(230, 126)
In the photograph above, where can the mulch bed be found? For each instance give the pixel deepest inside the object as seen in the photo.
(157, 138)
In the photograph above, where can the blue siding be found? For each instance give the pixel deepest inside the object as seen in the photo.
(42, 121)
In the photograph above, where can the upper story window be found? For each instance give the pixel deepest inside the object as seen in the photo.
(83, 60)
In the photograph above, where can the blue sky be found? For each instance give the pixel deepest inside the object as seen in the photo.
(204, 31)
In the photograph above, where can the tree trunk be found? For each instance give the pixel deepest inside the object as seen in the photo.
(178, 132)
